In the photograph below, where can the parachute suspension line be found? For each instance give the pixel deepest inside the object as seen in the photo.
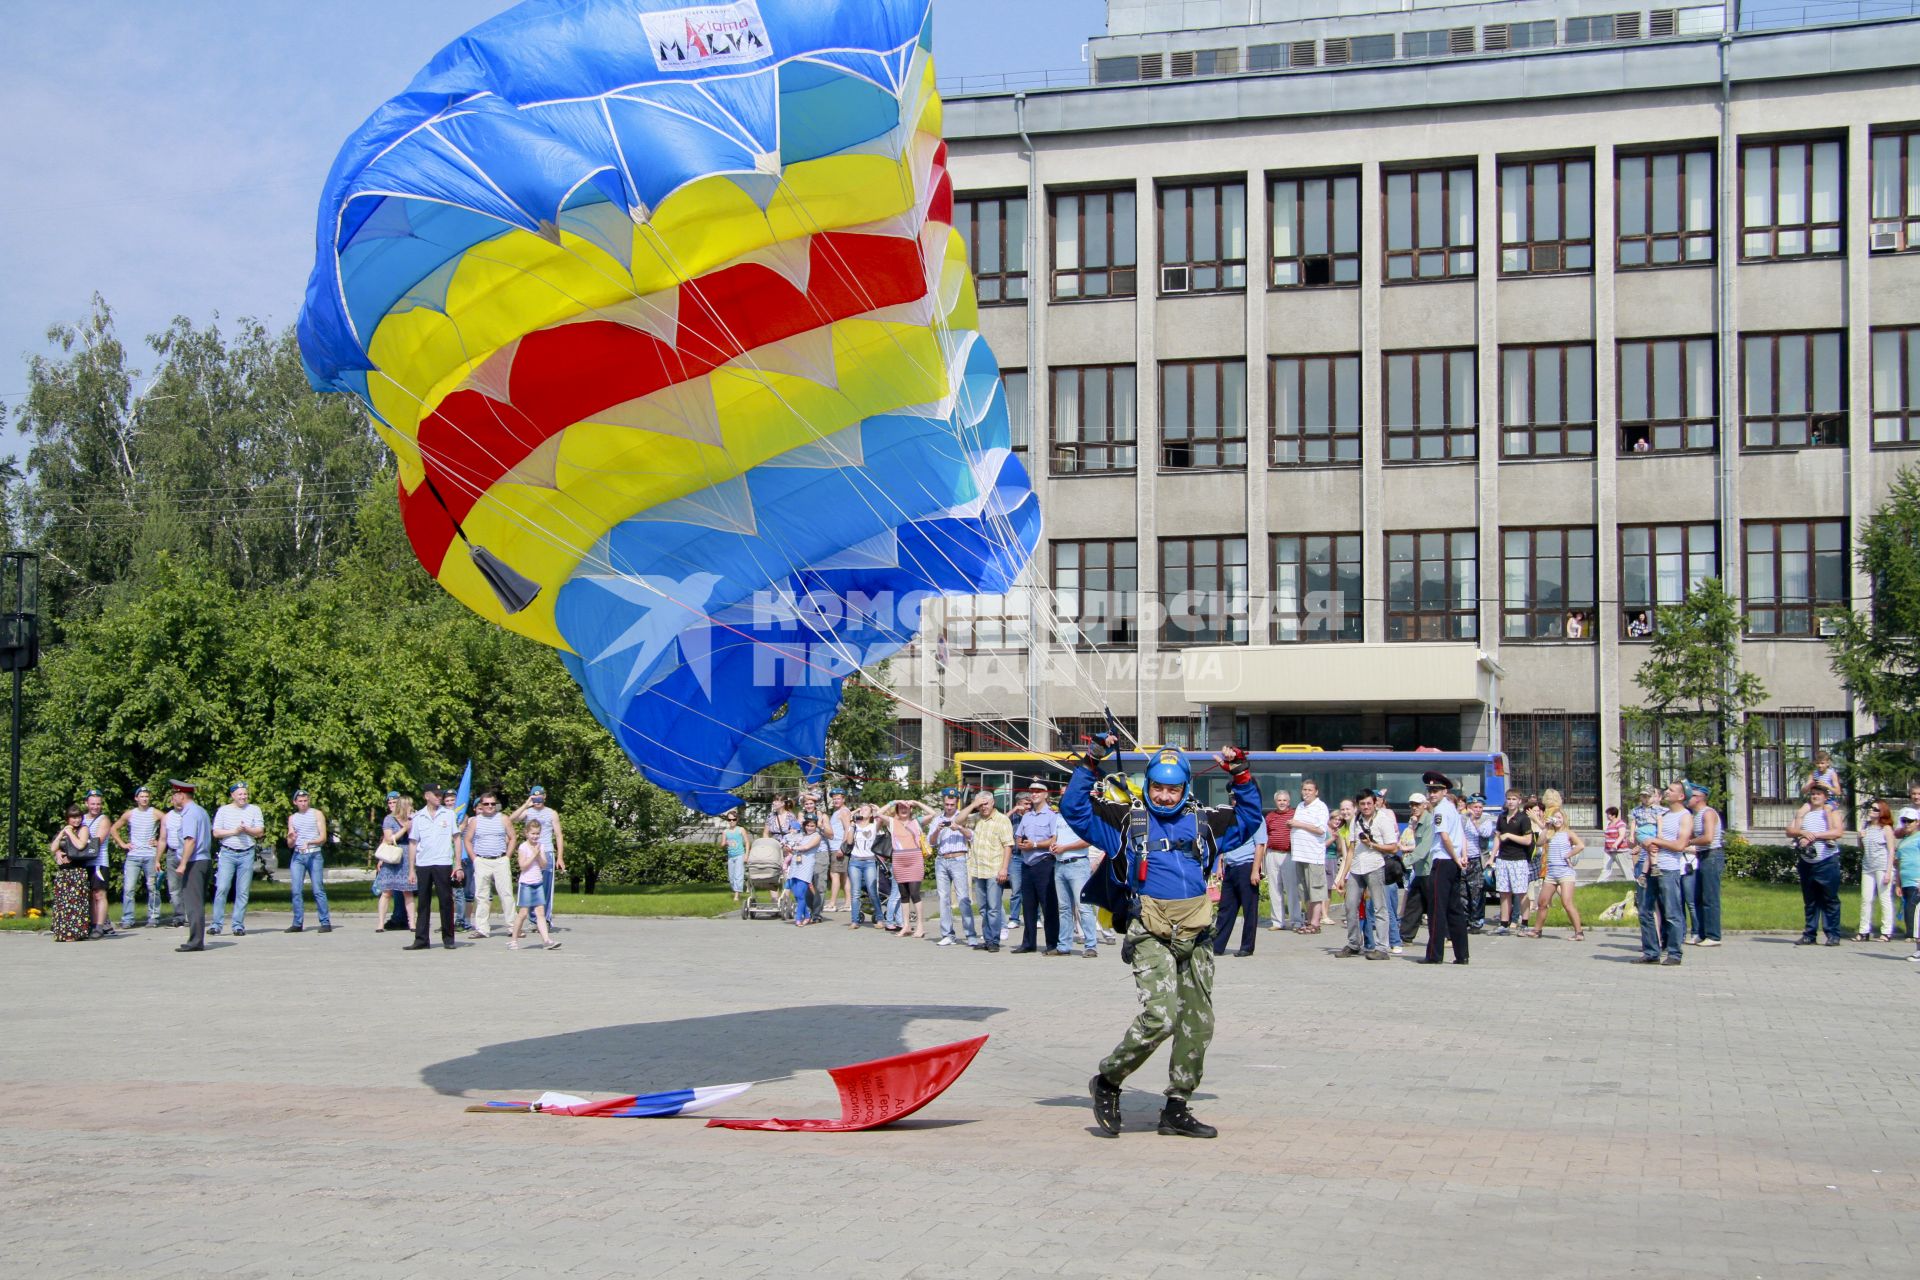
(514, 590)
(1050, 598)
(784, 651)
(510, 586)
(679, 270)
(1047, 594)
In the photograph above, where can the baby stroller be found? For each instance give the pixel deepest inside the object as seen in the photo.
(765, 860)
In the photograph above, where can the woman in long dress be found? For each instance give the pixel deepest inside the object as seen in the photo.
(72, 852)
(390, 879)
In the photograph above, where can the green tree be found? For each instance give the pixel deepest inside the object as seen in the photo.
(1697, 697)
(1876, 653)
(860, 741)
(226, 453)
(79, 421)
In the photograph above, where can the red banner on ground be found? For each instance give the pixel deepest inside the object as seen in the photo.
(880, 1092)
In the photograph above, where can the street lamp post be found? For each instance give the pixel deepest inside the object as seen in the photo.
(19, 653)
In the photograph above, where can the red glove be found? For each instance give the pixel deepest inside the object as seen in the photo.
(1234, 761)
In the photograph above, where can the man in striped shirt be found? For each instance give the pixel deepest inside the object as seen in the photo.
(490, 837)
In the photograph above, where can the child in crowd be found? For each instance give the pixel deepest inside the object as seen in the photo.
(532, 893)
(1617, 844)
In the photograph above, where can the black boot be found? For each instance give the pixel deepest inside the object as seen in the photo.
(1176, 1120)
(1106, 1103)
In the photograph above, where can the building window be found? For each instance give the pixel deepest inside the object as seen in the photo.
(1272, 57)
(1073, 733)
(1659, 565)
(1790, 199)
(1669, 400)
(1185, 732)
(1203, 415)
(1095, 587)
(1316, 594)
(1344, 49)
(1895, 205)
(1779, 768)
(978, 624)
(1548, 579)
(1094, 253)
(1519, 35)
(1203, 591)
(1431, 405)
(995, 229)
(1315, 406)
(1546, 401)
(1793, 391)
(1315, 230)
(1665, 208)
(1429, 231)
(1433, 585)
(1013, 383)
(1896, 386)
(1093, 419)
(1437, 44)
(1204, 62)
(1607, 26)
(1668, 759)
(1203, 237)
(903, 743)
(1794, 569)
(1553, 749)
(1546, 216)
(979, 735)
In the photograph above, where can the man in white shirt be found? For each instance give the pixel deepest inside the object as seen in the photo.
(1365, 867)
(430, 862)
(1446, 880)
(1310, 824)
(236, 825)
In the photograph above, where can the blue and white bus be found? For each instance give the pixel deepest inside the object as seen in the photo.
(1341, 774)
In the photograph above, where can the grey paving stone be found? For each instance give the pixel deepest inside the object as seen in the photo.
(293, 1105)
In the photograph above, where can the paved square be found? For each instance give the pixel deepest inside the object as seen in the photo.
(292, 1106)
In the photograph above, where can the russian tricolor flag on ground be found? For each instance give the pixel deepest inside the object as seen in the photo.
(674, 1102)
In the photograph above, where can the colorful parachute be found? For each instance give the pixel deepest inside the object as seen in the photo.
(661, 311)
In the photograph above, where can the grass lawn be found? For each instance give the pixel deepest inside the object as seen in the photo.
(1745, 905)
(704, 900)
(610, 900)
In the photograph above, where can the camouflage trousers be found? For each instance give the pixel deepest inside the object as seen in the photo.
(1176, 999)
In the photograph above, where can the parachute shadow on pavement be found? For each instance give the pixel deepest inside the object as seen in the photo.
(753, 1044)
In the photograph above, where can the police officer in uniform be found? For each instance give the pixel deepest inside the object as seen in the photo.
(1166, 849)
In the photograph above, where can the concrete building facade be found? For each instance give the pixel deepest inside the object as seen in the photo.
(1382, 372)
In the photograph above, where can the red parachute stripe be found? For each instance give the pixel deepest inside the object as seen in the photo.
(941, 209)
(880, 1092)
(566, 374)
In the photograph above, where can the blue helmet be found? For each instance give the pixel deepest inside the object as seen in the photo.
(1169, 768)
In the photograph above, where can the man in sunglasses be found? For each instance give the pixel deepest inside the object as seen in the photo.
(489, 838)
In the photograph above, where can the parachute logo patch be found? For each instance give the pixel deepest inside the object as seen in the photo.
(714, 35)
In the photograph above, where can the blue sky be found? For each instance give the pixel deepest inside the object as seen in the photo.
(169, 155)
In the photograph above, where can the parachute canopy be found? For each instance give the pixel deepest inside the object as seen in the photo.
(661, 311)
